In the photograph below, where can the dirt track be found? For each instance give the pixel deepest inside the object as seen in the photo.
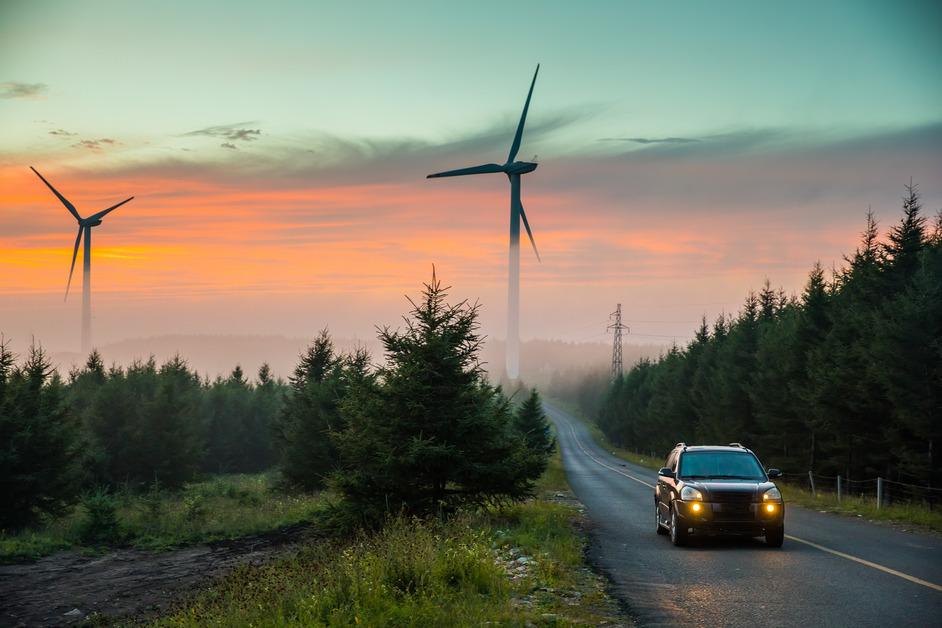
(64, 588)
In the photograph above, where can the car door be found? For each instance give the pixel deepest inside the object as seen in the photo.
(665, 487)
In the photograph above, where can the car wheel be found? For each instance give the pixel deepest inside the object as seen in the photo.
(657, 519)
(774, 537)
(678, 533)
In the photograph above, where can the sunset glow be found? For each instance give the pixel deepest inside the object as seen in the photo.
(304, 191)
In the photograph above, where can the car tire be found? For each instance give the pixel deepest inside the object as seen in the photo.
(657, 520)
(774, 537)
(678, 533)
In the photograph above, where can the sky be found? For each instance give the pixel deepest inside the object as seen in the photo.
(277, 153)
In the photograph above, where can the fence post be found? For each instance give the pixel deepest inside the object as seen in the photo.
(879, 492)
(838, 489)
(811, 480)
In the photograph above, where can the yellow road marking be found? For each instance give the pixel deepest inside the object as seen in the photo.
(862, 561)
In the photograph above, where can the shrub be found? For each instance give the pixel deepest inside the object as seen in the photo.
(100, 524)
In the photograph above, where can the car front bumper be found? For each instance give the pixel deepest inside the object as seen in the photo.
(751, 519)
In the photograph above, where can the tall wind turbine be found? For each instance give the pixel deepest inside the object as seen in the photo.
(513, 170)
(84, 228)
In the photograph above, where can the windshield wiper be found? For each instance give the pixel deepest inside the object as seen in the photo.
(734, 477)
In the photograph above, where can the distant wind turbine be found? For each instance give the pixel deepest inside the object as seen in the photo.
(513, 170)
(84, 227)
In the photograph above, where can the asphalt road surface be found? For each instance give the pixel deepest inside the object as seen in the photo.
(832, 570)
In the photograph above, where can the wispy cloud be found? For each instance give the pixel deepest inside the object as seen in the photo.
(734, 142)
(229, 145)
(62, 133)
(651, 140)
(238, 132)
(15, 89)
(95, 144)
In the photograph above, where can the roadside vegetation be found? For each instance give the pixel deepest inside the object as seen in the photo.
(222, 507)
(517, 565)
(904, 513)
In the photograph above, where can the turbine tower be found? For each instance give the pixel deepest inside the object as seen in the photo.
(514, 170)
(84, 228)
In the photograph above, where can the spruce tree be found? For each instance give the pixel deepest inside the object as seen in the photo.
(429, 434)
(905, 241)
(40, 441)
(311, 412)
(532, 428)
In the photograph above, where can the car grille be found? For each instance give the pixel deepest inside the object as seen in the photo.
(731, 497)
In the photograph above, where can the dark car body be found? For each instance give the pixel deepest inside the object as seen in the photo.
(718, 490)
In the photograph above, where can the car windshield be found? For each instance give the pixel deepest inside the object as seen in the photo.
(721, 465)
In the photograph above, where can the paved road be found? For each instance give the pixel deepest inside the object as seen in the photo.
(885, 577)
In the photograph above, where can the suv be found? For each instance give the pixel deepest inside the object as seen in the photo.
(704, 490)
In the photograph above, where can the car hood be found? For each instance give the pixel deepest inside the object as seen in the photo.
(731, 488)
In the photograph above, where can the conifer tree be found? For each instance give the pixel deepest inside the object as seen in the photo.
(311, 412)
(429, 434)
(40, 443)
(532, 427)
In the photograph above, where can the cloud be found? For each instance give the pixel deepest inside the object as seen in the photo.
(231, 132)
(315, 159)
(14, 89)
(651, 140)
(736, 142)
(62, 133)
(95, 144)
(229, 145)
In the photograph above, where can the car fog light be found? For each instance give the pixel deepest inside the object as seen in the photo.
(695, 507)
(770, 507)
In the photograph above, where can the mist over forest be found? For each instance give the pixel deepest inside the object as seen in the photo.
(543, 361)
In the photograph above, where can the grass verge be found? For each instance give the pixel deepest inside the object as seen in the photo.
(520, 565)
(865, 507)
(223, 507)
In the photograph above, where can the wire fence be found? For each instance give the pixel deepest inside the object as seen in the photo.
(882, 491)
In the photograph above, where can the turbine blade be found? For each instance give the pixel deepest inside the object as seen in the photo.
(104, 213)
(78, 239)
(526, 224)
(523, 119)
(482, 169)
(69, 206)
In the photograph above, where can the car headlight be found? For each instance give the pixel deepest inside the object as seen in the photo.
(773, 494)
(688, 493)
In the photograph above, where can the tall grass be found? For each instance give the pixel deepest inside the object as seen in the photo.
(424, 573)
(415, 573)
(222, 507)
(864, 507)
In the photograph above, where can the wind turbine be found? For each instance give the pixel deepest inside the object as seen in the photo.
(84, 228)
(513, 170)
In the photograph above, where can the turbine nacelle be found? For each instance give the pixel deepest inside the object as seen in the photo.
(520, 167)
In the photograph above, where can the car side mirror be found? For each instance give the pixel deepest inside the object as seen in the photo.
(774, 473)
(666, 472)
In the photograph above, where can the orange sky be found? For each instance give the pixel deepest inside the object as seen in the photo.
(226, 249)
